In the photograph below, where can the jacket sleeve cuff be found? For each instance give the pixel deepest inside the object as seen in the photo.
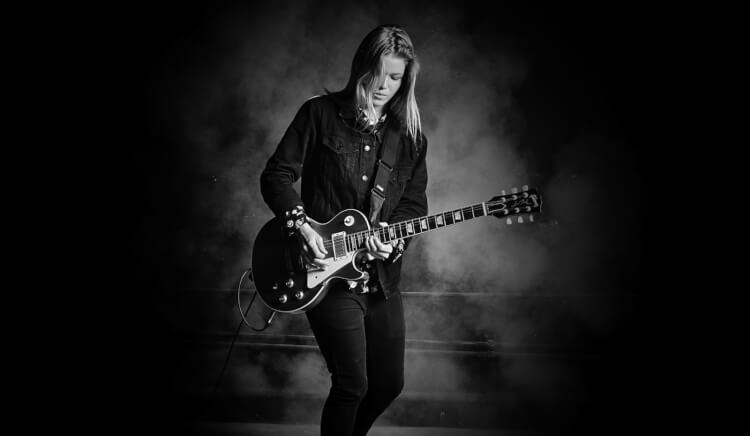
(398, 250)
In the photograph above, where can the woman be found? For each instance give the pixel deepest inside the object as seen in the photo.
(334, 143)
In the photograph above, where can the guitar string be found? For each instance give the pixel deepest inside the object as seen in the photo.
(382, 231)
(328, 243)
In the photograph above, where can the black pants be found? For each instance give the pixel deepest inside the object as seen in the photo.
(361, 337)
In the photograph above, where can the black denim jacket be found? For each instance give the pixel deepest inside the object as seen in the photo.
(337, 164)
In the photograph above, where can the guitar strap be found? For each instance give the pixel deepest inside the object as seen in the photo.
(383, 172)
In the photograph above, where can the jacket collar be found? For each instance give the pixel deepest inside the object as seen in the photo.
(347, 108)
(345, 104)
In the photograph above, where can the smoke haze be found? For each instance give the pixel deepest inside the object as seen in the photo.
(508, 98)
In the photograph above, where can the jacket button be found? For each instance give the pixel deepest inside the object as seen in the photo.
(364, 178)
(367, 148)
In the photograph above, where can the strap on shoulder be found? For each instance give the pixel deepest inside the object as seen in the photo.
(383, 172)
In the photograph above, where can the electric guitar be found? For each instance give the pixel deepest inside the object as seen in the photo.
(287, 284)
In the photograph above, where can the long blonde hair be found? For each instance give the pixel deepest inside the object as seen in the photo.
(367, 71)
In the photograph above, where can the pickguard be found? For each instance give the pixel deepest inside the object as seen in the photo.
(316, 277)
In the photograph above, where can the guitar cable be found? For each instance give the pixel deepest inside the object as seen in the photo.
(244, 320)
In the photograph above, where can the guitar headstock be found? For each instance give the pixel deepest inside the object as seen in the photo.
(524, 202)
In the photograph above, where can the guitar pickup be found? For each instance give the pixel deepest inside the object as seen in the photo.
(338, 240)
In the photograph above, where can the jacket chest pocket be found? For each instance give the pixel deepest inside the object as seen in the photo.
(340, 157)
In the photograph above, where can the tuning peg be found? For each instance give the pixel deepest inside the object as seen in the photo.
(531, 218)
(525, 187)
(509, 221)
(514, 190)
(520, 219)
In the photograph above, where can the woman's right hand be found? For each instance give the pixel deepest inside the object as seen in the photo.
(314, 246)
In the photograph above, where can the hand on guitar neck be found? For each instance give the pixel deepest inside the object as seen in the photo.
(316, 252)
(378, 250)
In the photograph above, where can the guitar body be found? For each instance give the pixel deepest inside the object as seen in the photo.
(283, 284)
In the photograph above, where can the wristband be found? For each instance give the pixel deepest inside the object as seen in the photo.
(294, 219)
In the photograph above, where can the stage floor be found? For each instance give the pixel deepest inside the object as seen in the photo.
(262, 429)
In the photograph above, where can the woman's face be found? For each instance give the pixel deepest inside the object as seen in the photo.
(390, 82)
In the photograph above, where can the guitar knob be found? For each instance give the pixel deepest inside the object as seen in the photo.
(282, 299)
(289, 282)
(299, 295)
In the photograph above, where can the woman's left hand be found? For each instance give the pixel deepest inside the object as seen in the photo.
(377, 249)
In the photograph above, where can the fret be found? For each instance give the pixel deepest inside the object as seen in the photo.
(448, 218)
(431, 222)
(384, 236)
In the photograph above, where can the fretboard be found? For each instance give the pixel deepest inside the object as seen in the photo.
(409, 228)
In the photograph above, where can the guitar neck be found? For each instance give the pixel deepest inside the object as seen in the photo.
(409, 228)
(526, 202)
